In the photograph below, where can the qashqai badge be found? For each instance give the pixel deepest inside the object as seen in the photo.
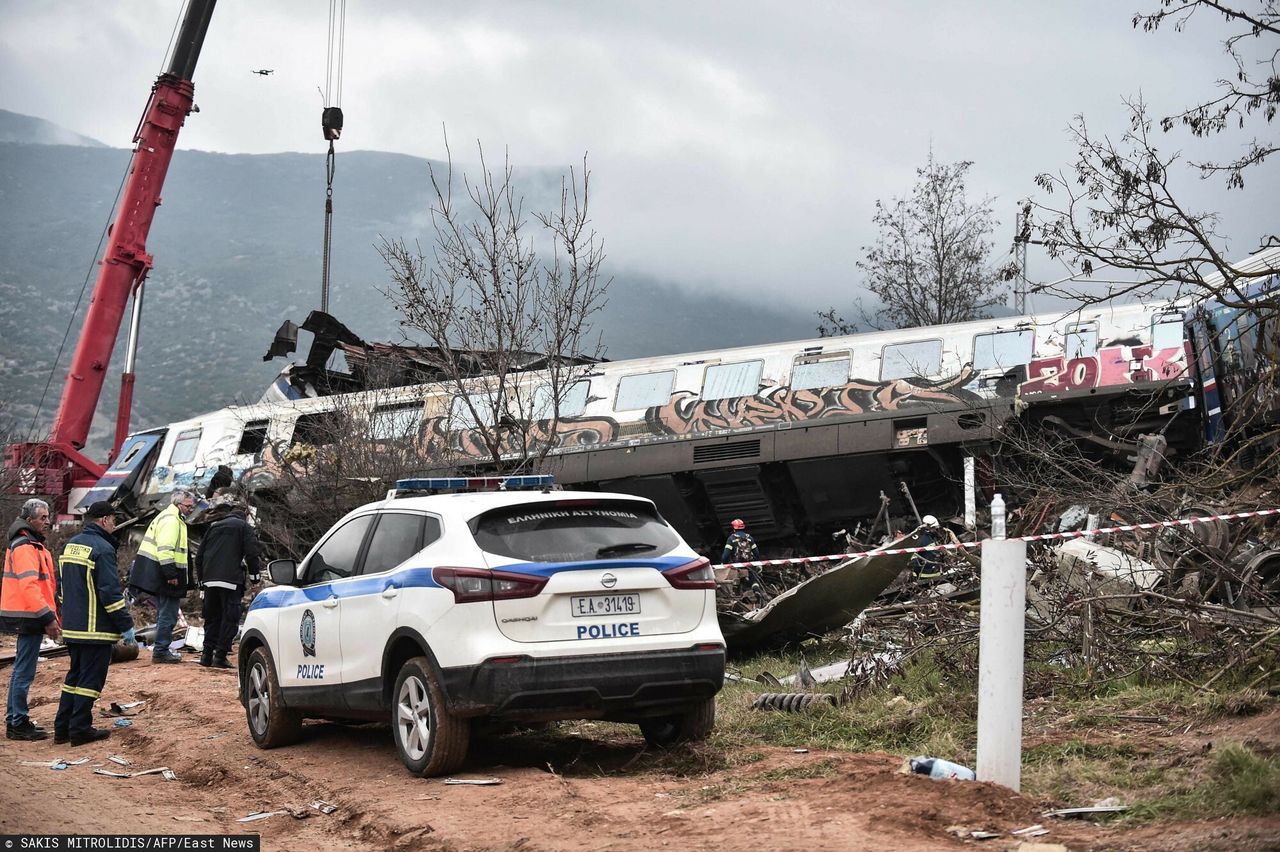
(307, 633)
(608, 581)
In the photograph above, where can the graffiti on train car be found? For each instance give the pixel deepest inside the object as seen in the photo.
(688, 414)
(1112, 366)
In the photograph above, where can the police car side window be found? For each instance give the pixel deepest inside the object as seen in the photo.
(336, 558)
(394, 540)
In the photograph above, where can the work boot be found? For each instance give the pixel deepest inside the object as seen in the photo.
(166, 656)
(93, 735)
(26, 731)
(60, 737)
(206, 658)
(220, 661)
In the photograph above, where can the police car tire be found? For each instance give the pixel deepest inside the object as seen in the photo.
(448, 737)
(284, 726)
(692, 725)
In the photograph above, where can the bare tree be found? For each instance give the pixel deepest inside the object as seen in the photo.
(484, 293)
(1117, 206)
(930, 264)
(342, 457)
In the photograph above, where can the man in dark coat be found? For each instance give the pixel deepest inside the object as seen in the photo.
(94, 617)
(230, 546)
(27, 607)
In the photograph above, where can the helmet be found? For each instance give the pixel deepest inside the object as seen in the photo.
(929, 521)
(738, 524)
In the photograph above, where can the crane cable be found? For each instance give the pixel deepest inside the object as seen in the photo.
(331, 123)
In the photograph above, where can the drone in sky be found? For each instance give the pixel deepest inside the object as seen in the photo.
(262, 72)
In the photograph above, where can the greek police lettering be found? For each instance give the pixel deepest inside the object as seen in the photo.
(608, 631)
(311, 671)
(572, 513)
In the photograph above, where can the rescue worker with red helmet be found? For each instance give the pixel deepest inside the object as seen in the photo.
(740, 546)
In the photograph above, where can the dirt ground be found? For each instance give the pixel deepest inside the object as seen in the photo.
(585, 787)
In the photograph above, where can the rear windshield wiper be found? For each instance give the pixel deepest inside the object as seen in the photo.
(625, 547)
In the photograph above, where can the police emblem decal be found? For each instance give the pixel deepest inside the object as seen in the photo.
(307, 633)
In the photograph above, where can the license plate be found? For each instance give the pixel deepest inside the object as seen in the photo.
(594, 606)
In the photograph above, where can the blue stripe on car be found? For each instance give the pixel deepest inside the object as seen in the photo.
(408, 578)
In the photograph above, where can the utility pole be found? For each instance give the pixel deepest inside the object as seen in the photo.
(1021, 236)
(1022, 239)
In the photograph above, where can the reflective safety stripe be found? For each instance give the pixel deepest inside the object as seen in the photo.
(88, 635)
(115, 606)
(11, 575)
(19, 613)
(80, 690)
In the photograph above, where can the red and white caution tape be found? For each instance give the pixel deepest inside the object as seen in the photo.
(843, 557)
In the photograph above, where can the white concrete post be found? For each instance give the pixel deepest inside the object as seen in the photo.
(1000, 641)
(970, 498)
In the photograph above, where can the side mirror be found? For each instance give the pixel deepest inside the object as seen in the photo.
(283, 572)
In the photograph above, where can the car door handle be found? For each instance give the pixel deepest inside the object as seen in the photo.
(390, 592)
(330, 602)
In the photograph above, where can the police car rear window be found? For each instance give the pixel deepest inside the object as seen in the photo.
(574, 531)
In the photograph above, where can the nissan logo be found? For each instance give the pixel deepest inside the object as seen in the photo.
(608, 581)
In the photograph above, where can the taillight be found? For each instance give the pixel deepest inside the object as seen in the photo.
(475, 584)
(694, 575)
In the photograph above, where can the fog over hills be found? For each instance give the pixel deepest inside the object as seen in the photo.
(237, 247)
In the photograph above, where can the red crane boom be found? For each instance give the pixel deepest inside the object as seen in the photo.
(56, 465)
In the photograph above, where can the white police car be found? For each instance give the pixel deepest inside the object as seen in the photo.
(431, 611)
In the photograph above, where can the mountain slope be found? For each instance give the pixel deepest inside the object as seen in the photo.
(237, 249)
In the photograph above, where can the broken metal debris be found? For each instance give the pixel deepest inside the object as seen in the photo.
(115, 758)
(163, 771)
(816, 605)
(474, 782)
(129, 708)
(323, 806)
(1090, 811)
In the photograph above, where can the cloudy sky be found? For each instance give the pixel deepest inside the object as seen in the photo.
(735, 145)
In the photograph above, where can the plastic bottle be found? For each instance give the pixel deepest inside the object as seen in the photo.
(939, 769)
(997, 517)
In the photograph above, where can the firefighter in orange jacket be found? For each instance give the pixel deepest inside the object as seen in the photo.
(28, 608)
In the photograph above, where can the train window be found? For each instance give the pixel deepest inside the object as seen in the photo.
(830, 373)
(725, 381)
(395, 422)
(1081, 342)
(253, 438)
(316, 429)
(573, 404)
(184, 449)
(919, 358)
(460, 416)
(1002, 350)
(1166, 333)
(645, 390)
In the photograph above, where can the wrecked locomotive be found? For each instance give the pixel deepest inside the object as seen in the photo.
(796, 438)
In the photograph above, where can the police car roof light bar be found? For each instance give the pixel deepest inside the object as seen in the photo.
(438, 484)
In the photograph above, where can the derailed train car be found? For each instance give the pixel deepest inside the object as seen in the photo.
(796, 438)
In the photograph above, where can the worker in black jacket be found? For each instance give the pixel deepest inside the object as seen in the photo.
(94, 617)
(229, 548)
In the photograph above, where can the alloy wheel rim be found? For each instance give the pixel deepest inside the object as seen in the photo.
(259, 699)
(413, 718)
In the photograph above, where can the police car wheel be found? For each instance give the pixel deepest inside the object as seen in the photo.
(271, 724)
(692, 725)
(430, 740)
